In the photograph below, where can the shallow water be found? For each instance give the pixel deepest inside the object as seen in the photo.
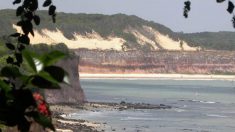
(198, 106)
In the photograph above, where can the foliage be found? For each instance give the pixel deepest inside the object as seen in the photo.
(105, 25)
(230, 9)
(20, 100)
(210, 40)
(85, 23)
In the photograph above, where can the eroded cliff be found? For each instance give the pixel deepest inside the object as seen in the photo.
(197, 62)
(72, 93)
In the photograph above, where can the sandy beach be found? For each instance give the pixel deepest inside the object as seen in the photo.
(157, 76)
(63, 124)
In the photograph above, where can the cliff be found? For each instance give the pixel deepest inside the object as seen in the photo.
(197, 62)
(122, 43)
(72, 93)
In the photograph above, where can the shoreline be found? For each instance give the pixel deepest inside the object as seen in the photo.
(63, 122)
(157, 76)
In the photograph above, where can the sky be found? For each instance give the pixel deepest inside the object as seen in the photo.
(205, 15)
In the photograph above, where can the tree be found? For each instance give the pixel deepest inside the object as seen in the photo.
(230, 8)
(26, 73)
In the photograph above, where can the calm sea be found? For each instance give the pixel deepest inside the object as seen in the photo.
(198, 105)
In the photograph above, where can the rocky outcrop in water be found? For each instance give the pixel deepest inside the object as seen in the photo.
(72, 93)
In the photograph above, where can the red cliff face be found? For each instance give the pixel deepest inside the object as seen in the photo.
(180, 62)
(68, 93)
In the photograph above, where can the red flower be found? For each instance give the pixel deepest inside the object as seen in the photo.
(37, 96)
(41, 104)
(43, 109)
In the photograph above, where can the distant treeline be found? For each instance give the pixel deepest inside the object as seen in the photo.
(115, 25)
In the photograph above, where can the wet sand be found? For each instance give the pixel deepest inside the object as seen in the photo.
(157, 76)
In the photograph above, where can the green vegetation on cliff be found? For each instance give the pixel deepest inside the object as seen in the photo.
(211, 40)
(115, 25)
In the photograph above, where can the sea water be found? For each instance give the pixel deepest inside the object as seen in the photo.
(198, 105)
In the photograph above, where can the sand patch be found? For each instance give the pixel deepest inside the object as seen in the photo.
(86, 123)
(143, 40)
(168, 43)
(89, 41)
(95, 41)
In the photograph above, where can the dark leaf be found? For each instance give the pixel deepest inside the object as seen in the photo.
(26, 3)
(8, 115)
(33, 5)
(19, 11)
(233, 21)
(23, 125)
(10, 60)
(29, 59)
(187, 5)
(20, 23)
(16, 1)
(23, 99)
(46, 3)
(32, 32)
(186, 14)
(220, 1)
(17, 64)
(52, 9)
(10, 72)
(56, 72)
(19, 57)
(27, 27)
(21, 47)
(187, 8)
(48, 77)
(41, 82)
(36, 19)
(44, 121)
(29, 15)
(4, 86)
(31, 114)
(230, 7)
(15, 35)
(24, 39)
(52, 57)
(53, 18)
(10, 46)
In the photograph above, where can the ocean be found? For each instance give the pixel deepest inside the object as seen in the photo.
(198, 105)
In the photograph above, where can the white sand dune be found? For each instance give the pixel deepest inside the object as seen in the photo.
(141, 39)
(168, 43)
(95, 41)
(91, 41)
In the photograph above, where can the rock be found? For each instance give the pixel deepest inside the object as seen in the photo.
(68, 94)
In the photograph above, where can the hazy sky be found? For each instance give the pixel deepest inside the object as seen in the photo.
(206, 15)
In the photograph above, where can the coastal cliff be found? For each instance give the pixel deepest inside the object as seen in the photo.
(72, 93)
(128, 44)
(173, 62)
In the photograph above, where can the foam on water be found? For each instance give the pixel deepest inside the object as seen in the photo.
(215, 115)
(206, 104)
(179, 110)
(200, 101)
(139, 119)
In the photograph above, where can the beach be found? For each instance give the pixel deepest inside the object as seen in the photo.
(135, 102)
(157, 76)
(64, 123)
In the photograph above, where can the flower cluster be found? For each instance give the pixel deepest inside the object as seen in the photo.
(42, 106)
